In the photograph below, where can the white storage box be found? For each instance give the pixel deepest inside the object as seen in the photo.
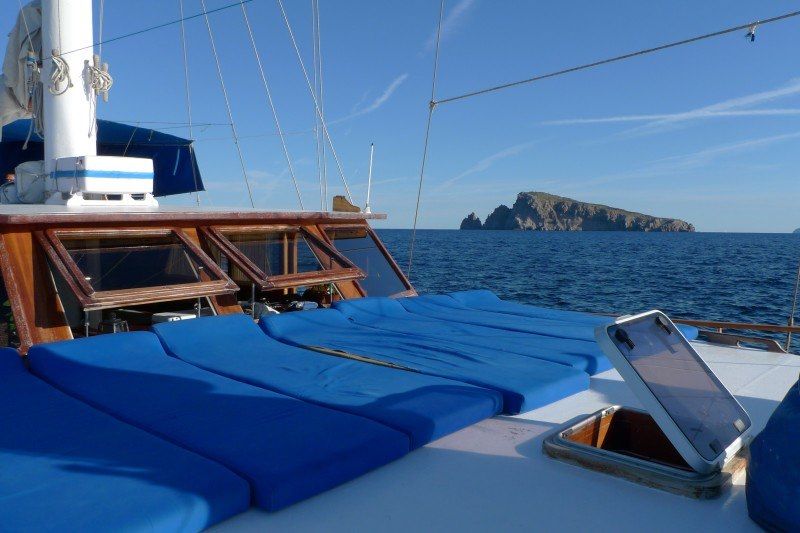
(102, 175)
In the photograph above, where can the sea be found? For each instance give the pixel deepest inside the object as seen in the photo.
(737, 277)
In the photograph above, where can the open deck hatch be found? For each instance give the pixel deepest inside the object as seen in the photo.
(692, 426)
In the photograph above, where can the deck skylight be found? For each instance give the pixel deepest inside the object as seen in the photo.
(361, 246)
(278, 257)
(108, 268)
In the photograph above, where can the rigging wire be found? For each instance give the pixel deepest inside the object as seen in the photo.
(317, 128)
(316, 103)
(749, 26)
(316, 120)
(271, 104)
(188, 92)
(321, 96)
(431, 107)
(204, 13)
(228, 104)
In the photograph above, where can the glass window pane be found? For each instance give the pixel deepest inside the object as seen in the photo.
(276, 253)
(359, 247)
(114, 263)
(692, 396)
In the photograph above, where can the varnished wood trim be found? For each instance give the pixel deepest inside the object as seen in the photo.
(38, 313)
(188, 217)
(410, 291)
(92, 300)
(345, 270)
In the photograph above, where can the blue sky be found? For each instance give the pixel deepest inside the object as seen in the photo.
(707, 132)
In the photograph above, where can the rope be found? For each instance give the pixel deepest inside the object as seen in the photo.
(99, 79)
(228, 103)
(316, 103)
(25, 23)
(188, 94)
(59, 75)
(630, 55)
(271, 104)
(35, 96)
(431, 106)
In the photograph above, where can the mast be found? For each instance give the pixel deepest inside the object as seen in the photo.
(369, 178)
(67, 33)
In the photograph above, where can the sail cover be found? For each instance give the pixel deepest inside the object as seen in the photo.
(26, 36)
(174, 162)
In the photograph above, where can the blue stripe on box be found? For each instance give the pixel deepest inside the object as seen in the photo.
(100, 174)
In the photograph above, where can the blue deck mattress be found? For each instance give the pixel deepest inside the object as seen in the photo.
(444, 324)
(65, 466)
(287, 449)
(423, 407)
(488, 301)
(525, 383)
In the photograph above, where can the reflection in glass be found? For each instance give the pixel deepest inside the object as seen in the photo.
(276, 253)
(694, 398)
(360, 248)
(116, 263)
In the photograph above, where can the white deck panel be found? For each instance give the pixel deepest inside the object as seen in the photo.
(493, 476)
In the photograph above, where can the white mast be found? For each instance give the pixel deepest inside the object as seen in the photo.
(74, 174)
(369, 178)
(68, 117)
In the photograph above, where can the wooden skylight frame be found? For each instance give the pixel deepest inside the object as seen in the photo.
(345, 271)
(409, 289)
(213, 282)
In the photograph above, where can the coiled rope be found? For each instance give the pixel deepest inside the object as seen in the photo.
(60, 80)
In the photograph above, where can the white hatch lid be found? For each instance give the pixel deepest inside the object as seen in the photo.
(702, 419)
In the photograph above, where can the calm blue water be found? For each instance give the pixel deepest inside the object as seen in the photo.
(714, 276)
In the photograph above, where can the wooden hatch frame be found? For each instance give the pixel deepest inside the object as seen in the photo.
(29, 272)
(345, 271)
(213, 281)
(409, 289)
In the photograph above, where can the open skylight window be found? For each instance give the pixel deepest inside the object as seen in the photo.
(109, 268)
(361, 246)
(278, 257)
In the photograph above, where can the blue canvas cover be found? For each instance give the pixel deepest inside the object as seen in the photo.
(174, 164)
(443, 324)
(488, 301)
(288, 450)
(773, 470)
(524, 382)
(423, 407)
(65, 466)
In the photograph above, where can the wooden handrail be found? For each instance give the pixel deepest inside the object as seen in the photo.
(774, 328)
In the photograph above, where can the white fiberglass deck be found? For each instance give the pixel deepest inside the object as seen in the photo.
(494, 477)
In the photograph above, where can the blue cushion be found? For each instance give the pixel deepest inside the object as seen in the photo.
(524, 382)
(423, 407)
(488, 301)
(463, 326)
(65, 466)
(773, 471)
(287, 449)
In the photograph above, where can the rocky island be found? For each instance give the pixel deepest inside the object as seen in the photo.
(540, 211)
